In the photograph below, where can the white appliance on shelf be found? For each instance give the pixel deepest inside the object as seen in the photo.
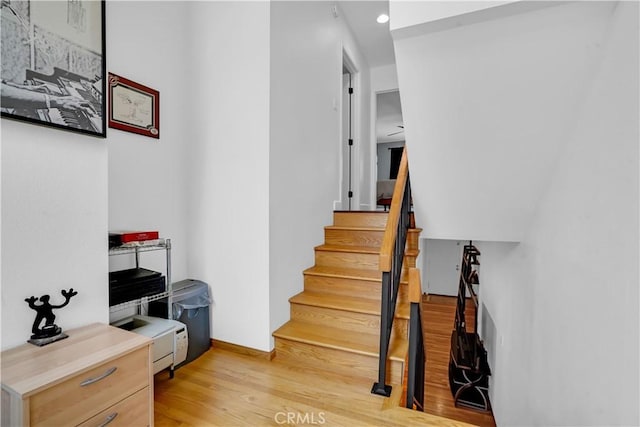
(170, 339)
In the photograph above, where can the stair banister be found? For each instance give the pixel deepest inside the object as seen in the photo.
(390, 266)
(391, 231)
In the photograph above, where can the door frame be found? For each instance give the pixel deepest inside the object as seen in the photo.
(343, 202)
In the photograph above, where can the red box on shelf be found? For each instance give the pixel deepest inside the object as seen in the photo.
(135, 236)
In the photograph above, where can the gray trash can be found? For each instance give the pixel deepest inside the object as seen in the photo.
(191, 301)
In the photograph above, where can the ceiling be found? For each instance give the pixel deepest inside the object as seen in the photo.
(376, 45)
(374, 39)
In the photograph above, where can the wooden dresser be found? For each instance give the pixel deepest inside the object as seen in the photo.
(99, 375)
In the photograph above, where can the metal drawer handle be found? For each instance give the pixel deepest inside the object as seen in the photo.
(96, 379)
(109, 419)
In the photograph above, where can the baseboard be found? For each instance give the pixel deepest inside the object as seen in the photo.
(247, 351)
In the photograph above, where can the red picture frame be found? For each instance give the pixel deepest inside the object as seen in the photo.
(133, 107)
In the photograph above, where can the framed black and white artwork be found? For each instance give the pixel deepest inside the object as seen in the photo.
(53, 63)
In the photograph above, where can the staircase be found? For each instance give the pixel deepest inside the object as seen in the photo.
(335, 321)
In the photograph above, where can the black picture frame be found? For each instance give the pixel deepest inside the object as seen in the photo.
(53, 64)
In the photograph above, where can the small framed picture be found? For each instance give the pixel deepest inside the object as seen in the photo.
(53, 64)
(133, 107)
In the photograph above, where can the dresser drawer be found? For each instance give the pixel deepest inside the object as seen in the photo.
(131, 412)
(81, 397)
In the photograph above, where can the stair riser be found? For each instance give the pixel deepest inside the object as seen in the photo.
(368, 238)
(355, 260)
(349, 287)
(347, 259)
(409, 261)
(365, 219)
(352, 364)
(360, 219)
(351, 321)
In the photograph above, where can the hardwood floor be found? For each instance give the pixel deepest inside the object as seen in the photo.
(225, 388)
(437, 321)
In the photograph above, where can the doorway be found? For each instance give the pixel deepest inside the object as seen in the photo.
(349, 197)
(389, 144)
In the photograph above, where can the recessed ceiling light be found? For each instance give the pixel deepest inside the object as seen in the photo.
(383, 19)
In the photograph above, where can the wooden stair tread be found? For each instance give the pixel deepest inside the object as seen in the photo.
(344, 273)
(348, 248)
(354, 228)
(347, 303)
(365, 228)
(340, 339)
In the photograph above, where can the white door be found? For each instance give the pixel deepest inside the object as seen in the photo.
(443, 266)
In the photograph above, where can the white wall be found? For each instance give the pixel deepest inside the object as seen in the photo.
(54, 226)
(572, 284)
(147, 177)
(62, 192)
(563, 303)
(384, 79)
(362, 151)
(228, 165)
(486, 108)
(306, 80)
(506, 297)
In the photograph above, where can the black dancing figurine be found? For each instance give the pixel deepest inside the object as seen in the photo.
(49, 332)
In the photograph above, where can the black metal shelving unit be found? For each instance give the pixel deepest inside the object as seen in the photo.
(137, 250)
